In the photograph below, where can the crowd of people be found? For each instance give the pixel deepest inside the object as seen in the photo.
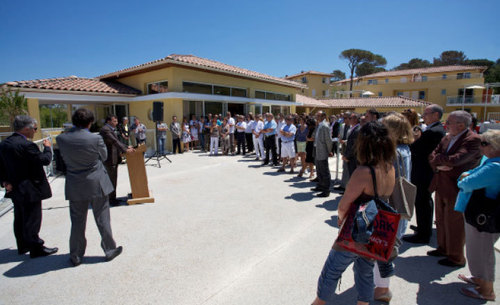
(450, 160)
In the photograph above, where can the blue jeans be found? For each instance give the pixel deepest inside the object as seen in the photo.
(161, 146)
(335, 265)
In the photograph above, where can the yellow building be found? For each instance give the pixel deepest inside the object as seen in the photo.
(186, 85)
(452, 87)
(318, 83)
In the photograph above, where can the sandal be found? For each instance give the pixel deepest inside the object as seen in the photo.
(469, 279)
(386, 297)
(471, 292)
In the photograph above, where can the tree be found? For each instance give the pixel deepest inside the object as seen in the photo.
(357, 57)
(376, 65)
(414, 63)
(11, 105)
(338, 75)
(450, 58)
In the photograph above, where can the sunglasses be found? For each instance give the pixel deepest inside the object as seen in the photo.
(484, 143)
(35, 128)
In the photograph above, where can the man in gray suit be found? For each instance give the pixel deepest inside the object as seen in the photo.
(86, 183)
(323, 148)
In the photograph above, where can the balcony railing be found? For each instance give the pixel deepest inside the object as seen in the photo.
(412, 79)
(477, 100)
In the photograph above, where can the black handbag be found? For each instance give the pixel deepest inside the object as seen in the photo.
(483, 213)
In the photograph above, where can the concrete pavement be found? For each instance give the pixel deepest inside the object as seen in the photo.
(223, 230)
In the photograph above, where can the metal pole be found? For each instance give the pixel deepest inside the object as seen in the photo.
(463, 99)
(485, 102)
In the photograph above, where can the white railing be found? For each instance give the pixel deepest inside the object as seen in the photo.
(479, 100)
(404, 79)
(49, 169)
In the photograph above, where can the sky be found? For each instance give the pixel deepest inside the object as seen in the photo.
(47, 39)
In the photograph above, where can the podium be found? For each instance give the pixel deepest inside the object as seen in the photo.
(138, 177)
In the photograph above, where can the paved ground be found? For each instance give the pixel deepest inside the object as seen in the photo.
(223, 231)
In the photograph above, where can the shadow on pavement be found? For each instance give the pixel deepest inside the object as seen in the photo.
(301, 184)
(301, 197)
(330, 205)
(406, 245)
(429, 292)
(348, 296)
(41, 265)
(333, 221)
(10, 256)
(275, 173)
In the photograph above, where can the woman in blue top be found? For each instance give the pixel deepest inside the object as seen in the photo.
(480, 245)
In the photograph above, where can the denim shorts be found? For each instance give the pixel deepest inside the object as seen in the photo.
(335, 265)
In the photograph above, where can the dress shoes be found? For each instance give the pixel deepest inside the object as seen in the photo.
(414, 228)
(315, 180)
(114, 253)
(76, 261)
(450, 263)
(435, 253)
(43, 251)
(23, 251)
(316, 189)
(416, 239)
(339, 188)
(323, 194)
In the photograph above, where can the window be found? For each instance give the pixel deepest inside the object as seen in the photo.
(443, 92)
(325, 80)
(421, 95)
(463, 75)
(370, 81)
(260, 94)
(218, 90)
(444, 76)
(380, 93)
(326, 93)
(424, 78)
(196, 88)
(157, 87)
(304, 79)
(386, 80)
(213, 107)
(238, 92)
(403, 79)
(272, 96)
(399, 93)
(313, 92)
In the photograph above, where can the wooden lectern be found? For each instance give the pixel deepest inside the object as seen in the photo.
(138, 177)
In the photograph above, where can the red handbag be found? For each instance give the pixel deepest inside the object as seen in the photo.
(381, 242)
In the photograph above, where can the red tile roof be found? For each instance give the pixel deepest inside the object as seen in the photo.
(73, 83)
(310, 72)
(203, 63)
(440, 69)
(376, 102)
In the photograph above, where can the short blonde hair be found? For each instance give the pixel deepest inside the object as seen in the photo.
(399, 127)
(492, 136)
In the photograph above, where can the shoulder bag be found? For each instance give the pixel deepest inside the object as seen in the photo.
(483, 213)
(404, 193)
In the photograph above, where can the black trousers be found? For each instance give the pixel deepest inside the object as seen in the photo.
(424, 208)
(27, 224)
(270, 145)
(351, 166)
(176, 143)
(323, 174)
(249, 141)
(113, 175)
(240, 140)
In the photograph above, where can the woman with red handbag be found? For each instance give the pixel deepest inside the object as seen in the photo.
(375, 149)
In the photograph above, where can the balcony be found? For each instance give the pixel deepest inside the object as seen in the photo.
(405, 79)
(470, 100)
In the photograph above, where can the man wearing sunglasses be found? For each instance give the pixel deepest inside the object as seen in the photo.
(22, 175)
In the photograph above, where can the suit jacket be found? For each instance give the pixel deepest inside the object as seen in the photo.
(83, 153)
(21, 164)
(323, 141)
(421, 171)
(336, 129)
(350, 153)
(462, 156)
(114, 146)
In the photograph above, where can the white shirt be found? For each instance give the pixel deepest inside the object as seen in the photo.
(241, 124)
(250, 126)
(231, 125)
(258, 127)
(455, 138)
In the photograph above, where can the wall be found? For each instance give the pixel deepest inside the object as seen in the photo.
(314, 82)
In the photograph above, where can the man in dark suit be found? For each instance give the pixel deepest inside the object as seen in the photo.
(115, 148)
(335, 131)
(422, 173)
(22, 175)
(352, 135)
(87, 183)
(456, 153)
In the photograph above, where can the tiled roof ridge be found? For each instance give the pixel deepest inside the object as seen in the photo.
(206, 63)
(307, 72)
(75, 84)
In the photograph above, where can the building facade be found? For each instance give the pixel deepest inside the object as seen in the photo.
(318, 83)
